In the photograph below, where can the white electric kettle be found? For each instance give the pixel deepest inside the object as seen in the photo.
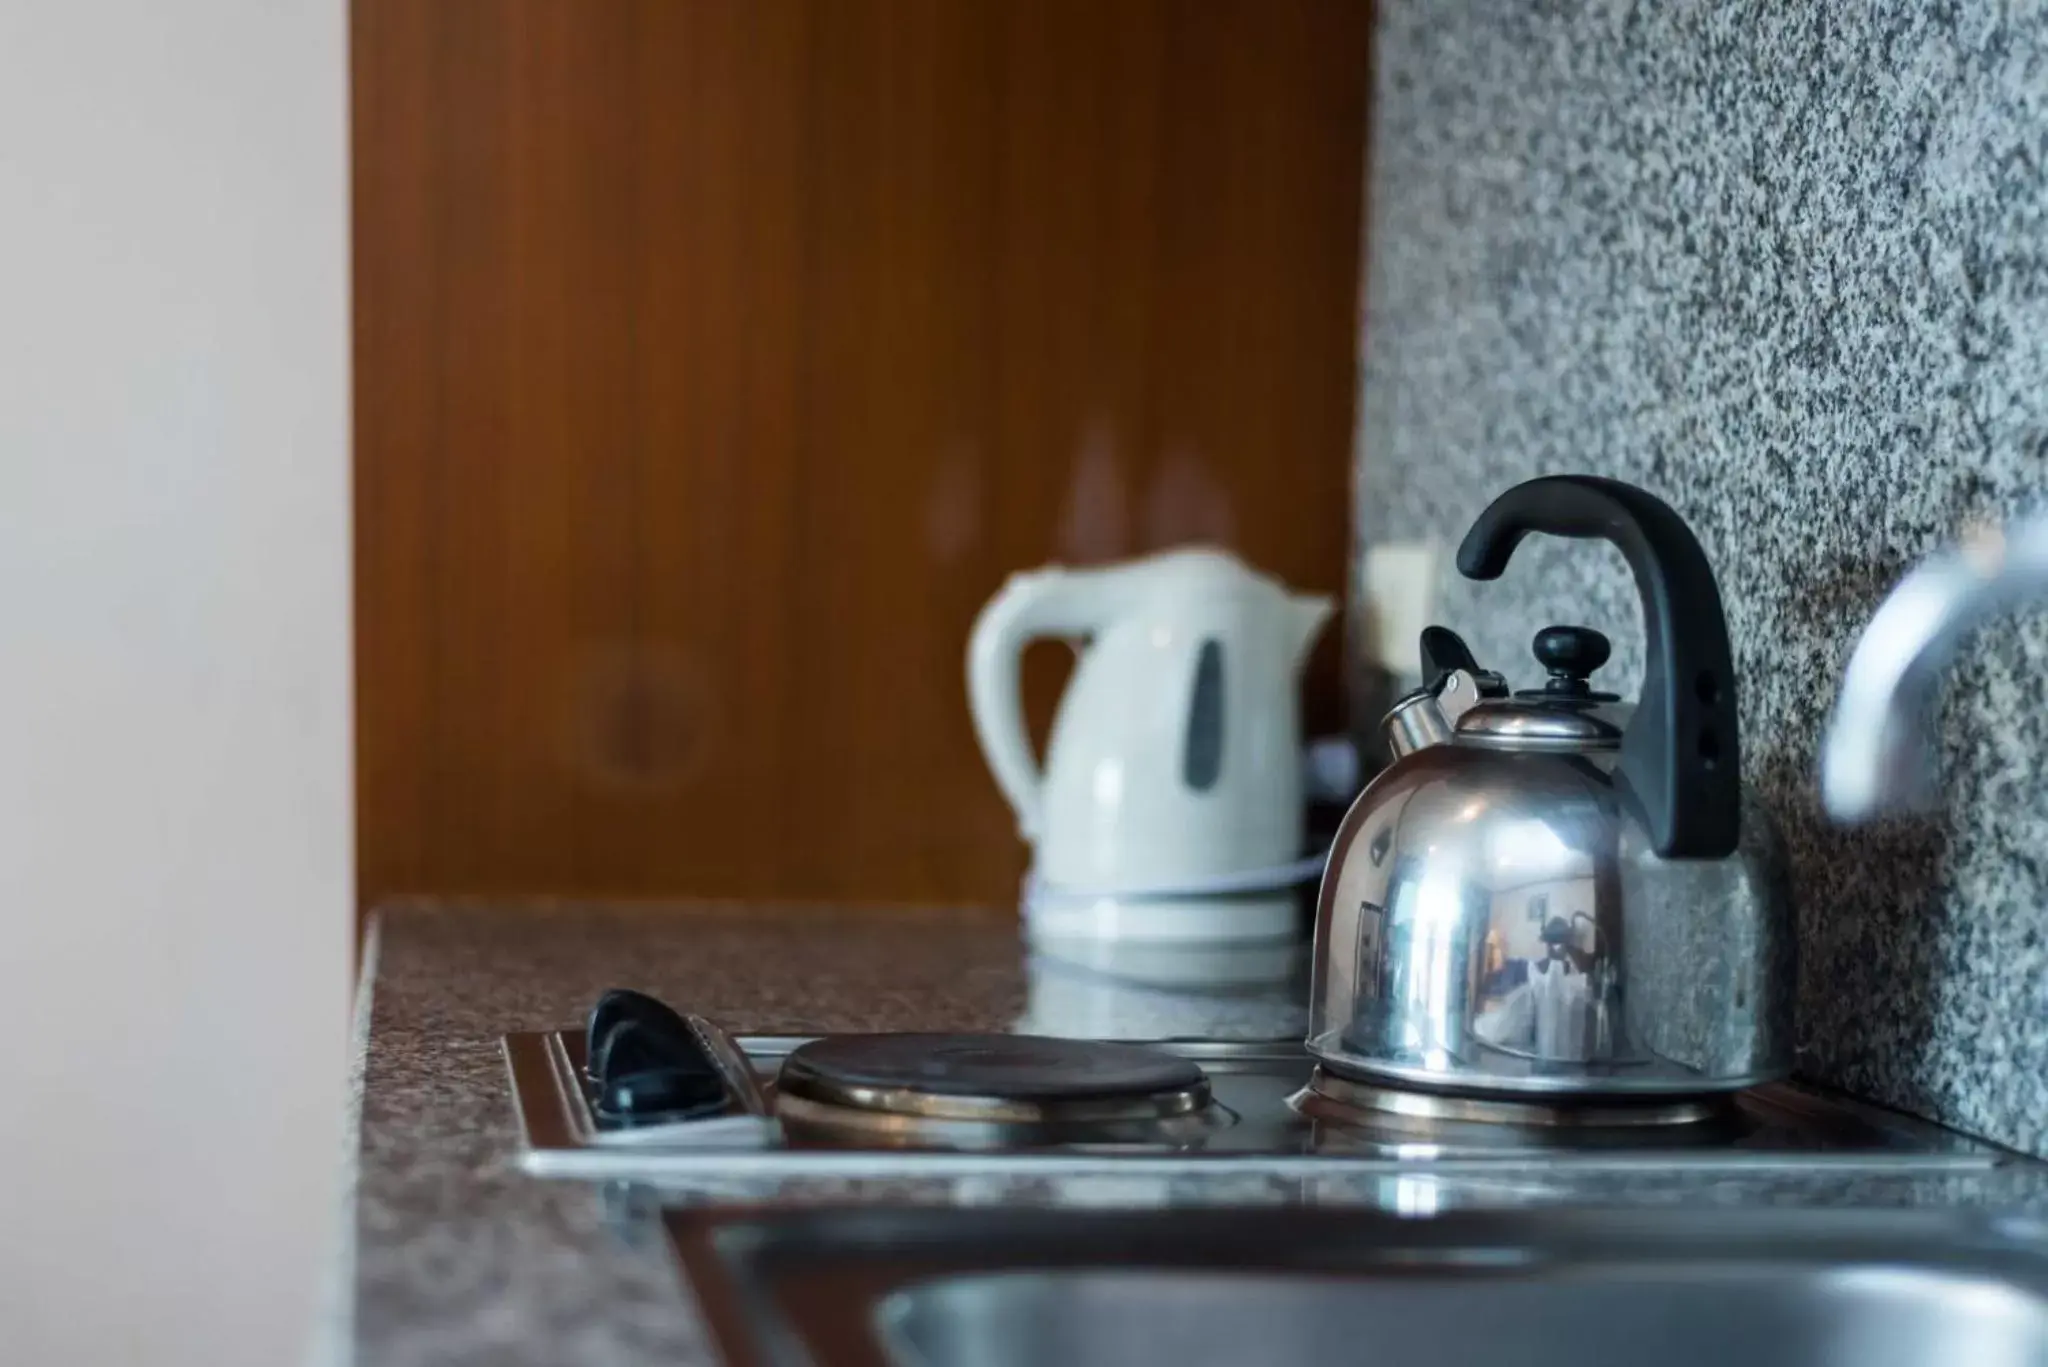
(1174, 764)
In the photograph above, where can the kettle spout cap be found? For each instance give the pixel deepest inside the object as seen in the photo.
(1416, 723)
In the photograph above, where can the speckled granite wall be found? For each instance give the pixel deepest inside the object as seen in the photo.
(1785, 264)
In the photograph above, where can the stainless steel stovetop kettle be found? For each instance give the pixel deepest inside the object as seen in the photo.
(1554, 891)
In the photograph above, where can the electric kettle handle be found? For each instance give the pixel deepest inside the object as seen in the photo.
(1049, 602)
(1680, 755)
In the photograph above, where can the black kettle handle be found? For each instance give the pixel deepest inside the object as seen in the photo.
(1680, 754)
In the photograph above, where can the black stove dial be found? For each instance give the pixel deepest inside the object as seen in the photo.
(646, 1065)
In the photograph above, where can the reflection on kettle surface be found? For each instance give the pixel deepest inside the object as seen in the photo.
(1541, 996)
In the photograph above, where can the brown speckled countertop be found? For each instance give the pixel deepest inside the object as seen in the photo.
(455, 1256)
(459, 1257)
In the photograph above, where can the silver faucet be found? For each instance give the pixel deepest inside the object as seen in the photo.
(1879, 753)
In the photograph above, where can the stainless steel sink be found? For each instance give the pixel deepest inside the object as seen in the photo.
(1756, 1315)
(1574, 1288)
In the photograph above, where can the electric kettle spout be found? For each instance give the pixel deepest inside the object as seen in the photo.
(1306, 614)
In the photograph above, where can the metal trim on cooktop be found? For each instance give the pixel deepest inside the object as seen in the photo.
(561, 1137)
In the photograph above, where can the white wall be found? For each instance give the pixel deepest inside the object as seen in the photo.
(174, 797)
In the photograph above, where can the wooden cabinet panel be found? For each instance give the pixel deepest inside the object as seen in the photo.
(715, 361)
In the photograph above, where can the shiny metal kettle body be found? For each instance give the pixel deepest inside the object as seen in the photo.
(1558, 892)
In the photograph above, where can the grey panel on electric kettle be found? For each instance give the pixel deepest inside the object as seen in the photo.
(1202, 752)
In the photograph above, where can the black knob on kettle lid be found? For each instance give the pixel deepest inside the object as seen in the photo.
(1570, 654)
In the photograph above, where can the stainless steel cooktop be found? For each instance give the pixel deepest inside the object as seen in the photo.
(1264, 1109)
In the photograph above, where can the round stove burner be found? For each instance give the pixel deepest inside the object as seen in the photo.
(1341, 1099)
(985, 1091)
(1016, 1078)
